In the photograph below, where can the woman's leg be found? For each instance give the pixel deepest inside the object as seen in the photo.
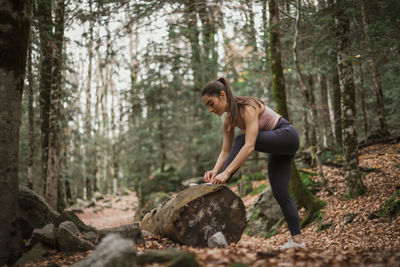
(279, 176)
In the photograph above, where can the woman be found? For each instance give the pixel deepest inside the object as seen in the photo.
(264, 131)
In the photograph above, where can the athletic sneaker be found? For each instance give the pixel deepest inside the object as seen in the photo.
(292, 244)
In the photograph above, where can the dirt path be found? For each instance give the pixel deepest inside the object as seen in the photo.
(111, 211)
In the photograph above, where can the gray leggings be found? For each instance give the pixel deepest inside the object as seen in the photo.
(281, 143)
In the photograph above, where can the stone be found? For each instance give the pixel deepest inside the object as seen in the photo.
(113, 251)
(46, 235)
(132, 231)
(34, 212)
(217, 240)
(69, 241)
(68, 215)
(36, 252)
(263, 215)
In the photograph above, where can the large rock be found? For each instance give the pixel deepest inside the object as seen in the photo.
(113, 251)
(132, 231)
(171, 255)
(46, 235)
(196, 213)
(263, 215)
(34, 212)
(68, 238)
(36, 252)
(70, 216)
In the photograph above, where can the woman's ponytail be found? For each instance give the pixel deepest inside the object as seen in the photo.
(231, 99)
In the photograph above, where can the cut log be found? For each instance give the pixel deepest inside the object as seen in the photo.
(193, 215)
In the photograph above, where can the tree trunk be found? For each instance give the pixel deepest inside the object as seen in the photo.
(53, 168)
(306, 130)
(13, 51)
(29, 176)
(354, 184)
(362, 98)
(46, 51)
(193, 215)
(380, 109)
(308, 93)
(325, 118)
(337, 109)
(303, 196)
(88, 118)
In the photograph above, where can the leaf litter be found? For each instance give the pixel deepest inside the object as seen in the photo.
(353, 235)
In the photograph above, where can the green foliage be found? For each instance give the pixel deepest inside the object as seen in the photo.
(331, 156)
(312, 185)
(258, 189)
(391, 208)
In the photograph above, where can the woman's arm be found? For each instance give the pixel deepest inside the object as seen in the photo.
(229, 133)
(250, 117)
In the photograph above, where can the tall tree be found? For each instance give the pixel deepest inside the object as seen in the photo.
(29, 175)
(53, 167)
(303, 196)
(380, 108)
(14, 40)
(308, 93)
(44, 8)
(324, 110)
(354, 183)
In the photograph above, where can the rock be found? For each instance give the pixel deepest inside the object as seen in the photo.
(263, 215)
(98, 196)
(70, 216)
(69, 241)
(172, 255)
(131, 231)
(196, 213)
(90, 236)
(113, 251)
(39, 250)
(147, 233)
(46, 235)
(34, 212)
(217, 240)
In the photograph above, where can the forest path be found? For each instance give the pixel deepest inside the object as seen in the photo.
(111, 211)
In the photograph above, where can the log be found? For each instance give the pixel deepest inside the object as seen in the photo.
(193, 215)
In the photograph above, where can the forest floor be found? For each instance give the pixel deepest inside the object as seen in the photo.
(355, 236)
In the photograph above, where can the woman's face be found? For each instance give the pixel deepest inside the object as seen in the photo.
(216, 104)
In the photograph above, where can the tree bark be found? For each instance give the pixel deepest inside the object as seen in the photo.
(15, 18)
(325, 118)
(29, 175)
(354, 183)
(362, 99)
(380, 108)
(303, 196)
(196, 213)
(46, 51)
(337, 109)
(53, 167)
(308, 93)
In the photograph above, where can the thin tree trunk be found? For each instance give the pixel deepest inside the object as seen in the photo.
(88, 120)
(354, 184)
(15, 28)
(306, 127)
(326, 122)
(53, 168)
(362, 98)
(46, 52)
(337, 108)
(380, 109)
(309, 96)
(30, 118)
(303, 196)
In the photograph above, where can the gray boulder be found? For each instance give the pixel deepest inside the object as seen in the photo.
(68, 238)
(217, 240)
(46, 235)
(36, 252)
(263, 215)
(132, 231)
(113, 251)
(170, 257)
(34, 212)
(70, 216)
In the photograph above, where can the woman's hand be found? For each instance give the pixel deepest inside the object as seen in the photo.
(220, 178)
(208, 176)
